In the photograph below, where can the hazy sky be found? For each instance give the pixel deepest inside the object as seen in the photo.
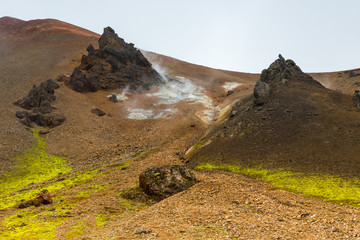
(239, 35)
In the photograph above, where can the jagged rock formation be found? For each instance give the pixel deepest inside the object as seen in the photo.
(116, 64)
(279, 72)
(38, 106)
(162, 182)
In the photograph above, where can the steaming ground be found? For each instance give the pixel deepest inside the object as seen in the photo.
(230, 86)
(161, 101)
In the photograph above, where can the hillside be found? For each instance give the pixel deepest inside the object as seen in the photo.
(91, 163)
(303, 127)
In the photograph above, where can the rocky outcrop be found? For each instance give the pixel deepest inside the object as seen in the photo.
(280, 72)
(116, 64)
(356, 99)
(164, 181)
(38, 106)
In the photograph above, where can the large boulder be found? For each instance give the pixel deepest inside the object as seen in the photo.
(116, 64)
(164, 181)
(261, 91)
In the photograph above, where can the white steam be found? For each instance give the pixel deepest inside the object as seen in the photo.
(230, 86)
(141, 114)
(172, 92)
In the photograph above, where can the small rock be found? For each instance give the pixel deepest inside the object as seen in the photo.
(113, 98)
(143, 231)
(232, 114)
(43, 198)
(26, 204)
(98, 112)
(44, 131)
(229, 93)
(304, 215)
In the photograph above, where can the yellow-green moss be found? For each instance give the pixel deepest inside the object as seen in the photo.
(331, 188)
(34, 165)
(34, 224)
(75, 231)
(101, 219)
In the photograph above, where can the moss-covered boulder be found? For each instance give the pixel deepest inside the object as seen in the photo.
(164, 181)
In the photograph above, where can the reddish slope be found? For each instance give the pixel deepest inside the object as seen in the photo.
(18, 28)
(32, 52)
(343, 81)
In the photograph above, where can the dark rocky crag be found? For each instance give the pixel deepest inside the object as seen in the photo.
(38, 106)
(278, 73)
(115, 65)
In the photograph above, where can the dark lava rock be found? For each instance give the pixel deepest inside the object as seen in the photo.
(279, 73)
(116, 64)
(164, 181)
(80, 83)
(356, 98)
(98, 112)
(39, 98)
(38, 105)
(43, 198)
(45, 120)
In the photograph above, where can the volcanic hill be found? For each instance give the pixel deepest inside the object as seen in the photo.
(291, 122)
(127, 109)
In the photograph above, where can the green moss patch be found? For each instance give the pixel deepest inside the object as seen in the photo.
(324, 186)
(33, 166)
(34, 223)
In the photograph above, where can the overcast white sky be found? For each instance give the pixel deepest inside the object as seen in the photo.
(239, 35)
